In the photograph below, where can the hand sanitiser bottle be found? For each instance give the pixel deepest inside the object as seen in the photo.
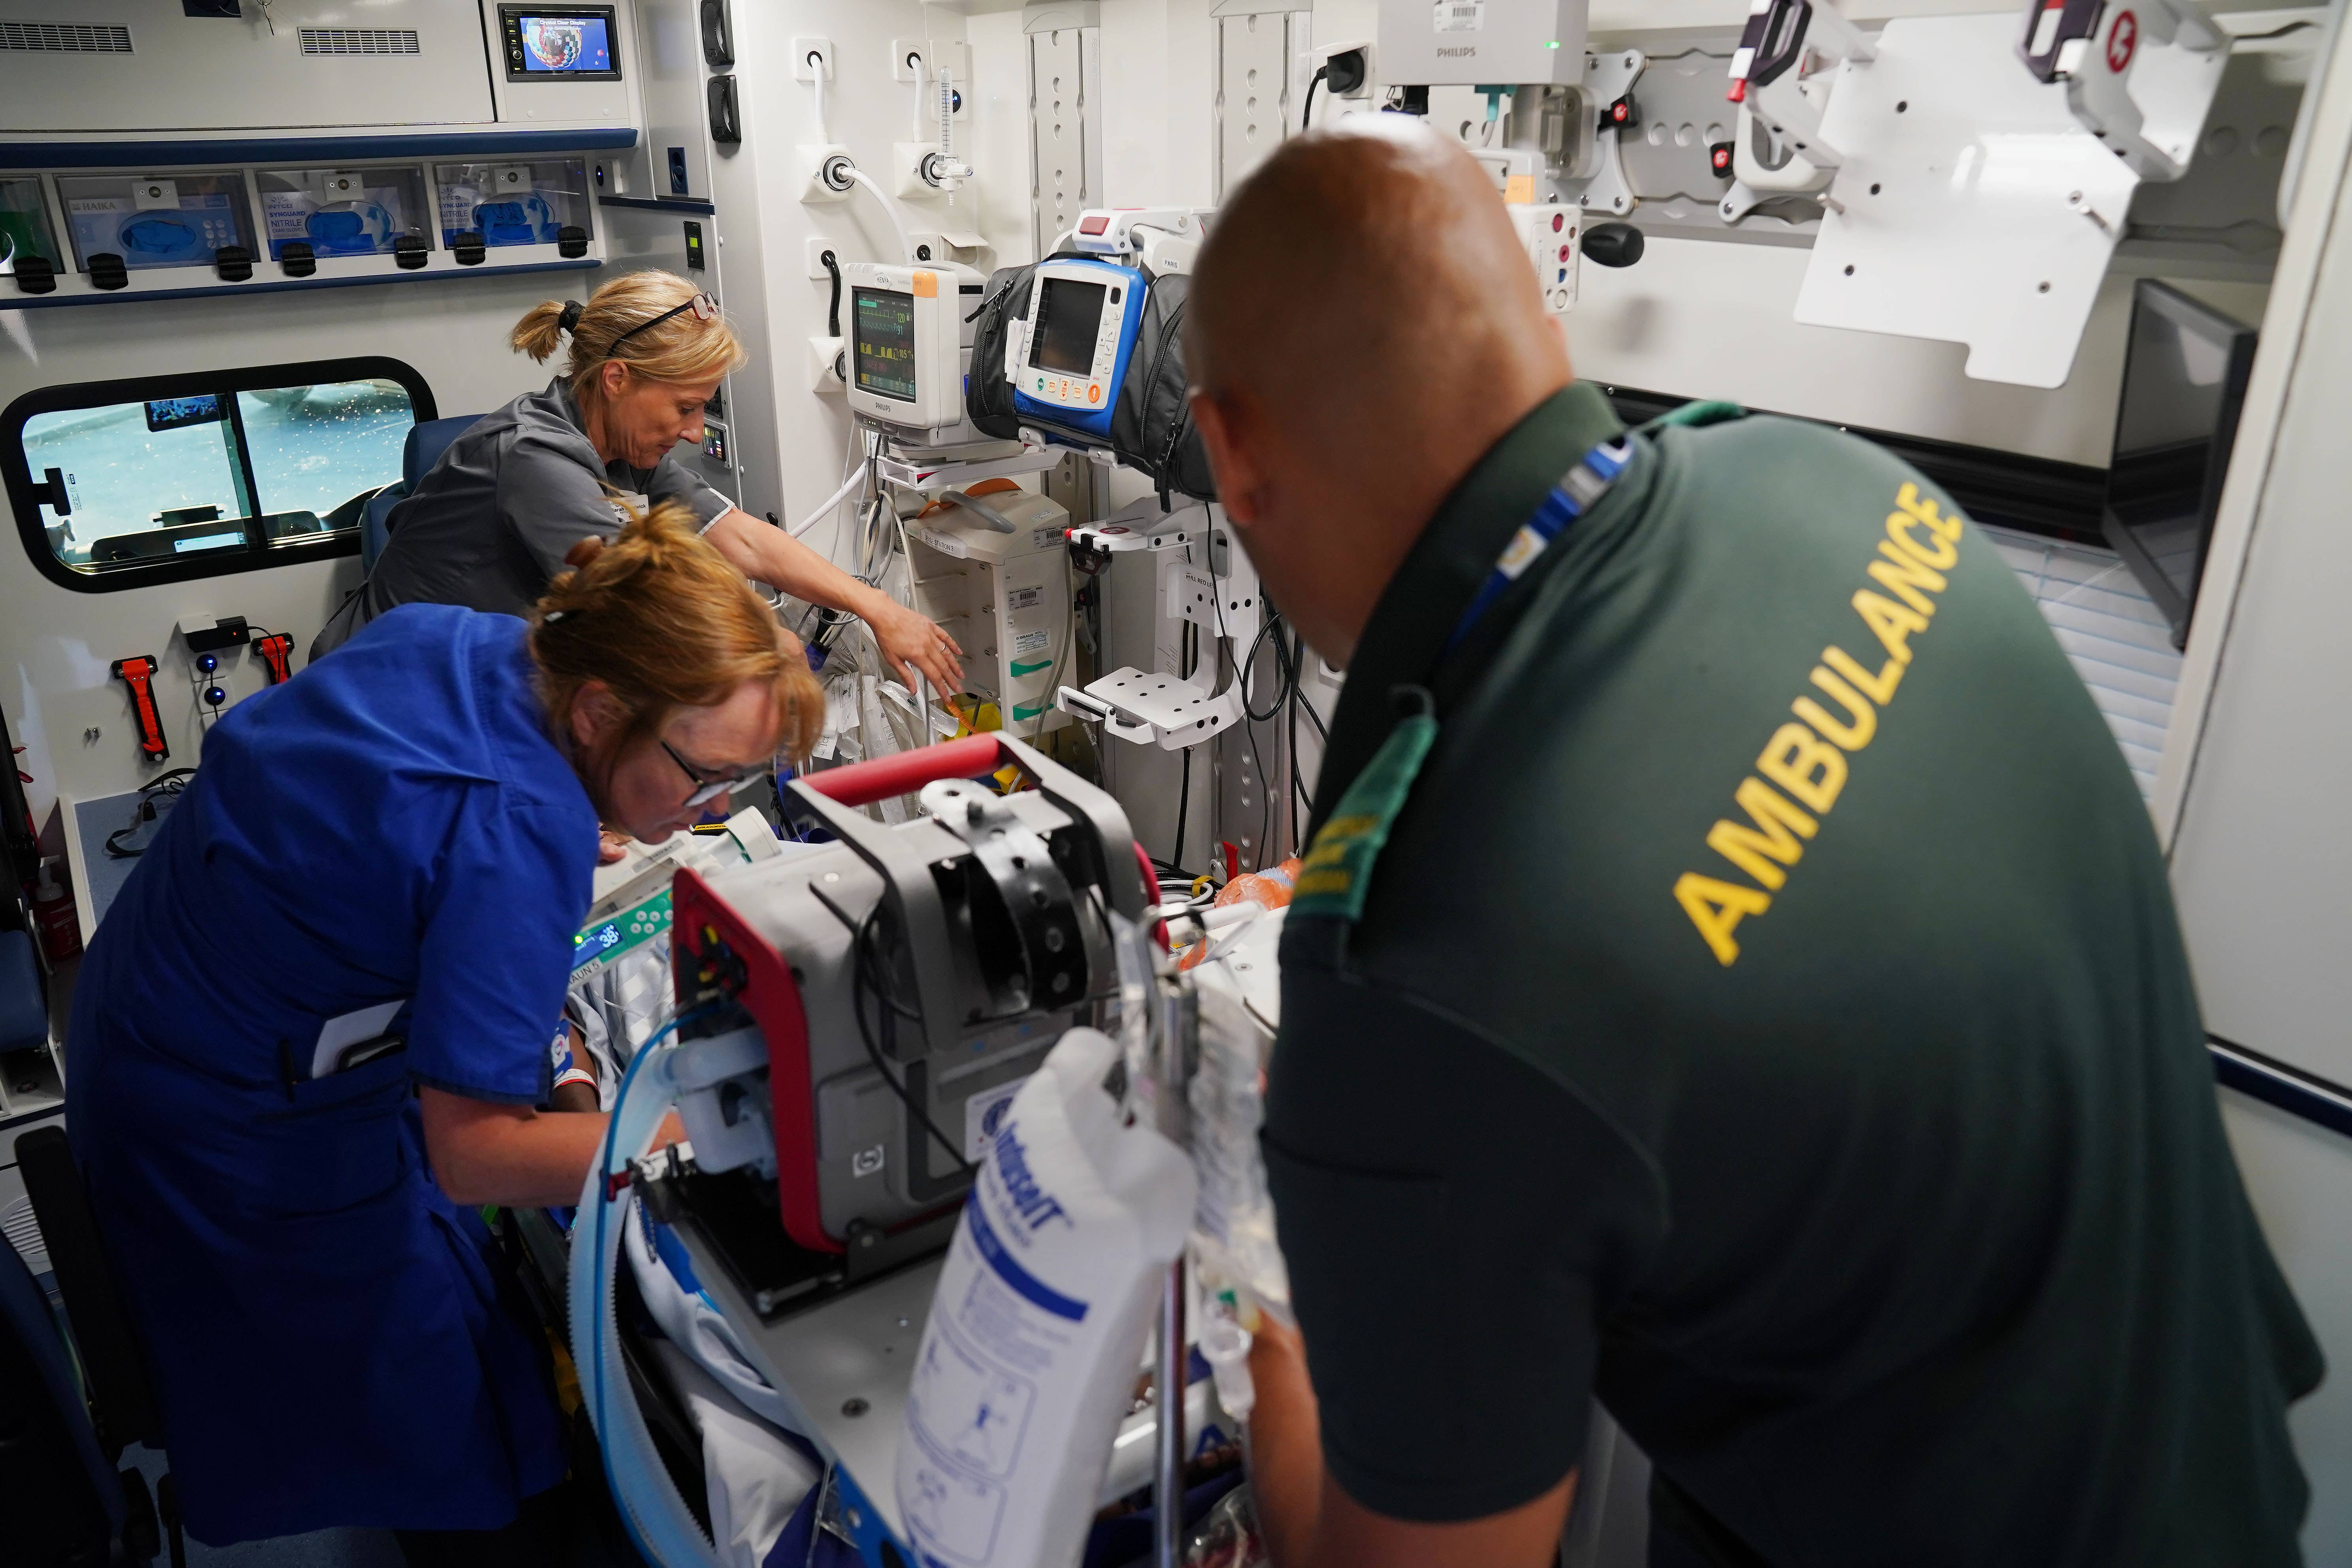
(1028, 1361)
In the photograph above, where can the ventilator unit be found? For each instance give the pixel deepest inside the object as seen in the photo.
(867, 1007)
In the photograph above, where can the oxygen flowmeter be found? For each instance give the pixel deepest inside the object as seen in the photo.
(1076, 343)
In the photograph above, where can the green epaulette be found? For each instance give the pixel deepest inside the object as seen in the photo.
(1338, 871)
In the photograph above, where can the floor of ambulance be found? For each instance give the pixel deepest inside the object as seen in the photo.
(352, 1548)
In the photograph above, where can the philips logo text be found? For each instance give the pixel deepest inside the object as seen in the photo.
(1034, 1205)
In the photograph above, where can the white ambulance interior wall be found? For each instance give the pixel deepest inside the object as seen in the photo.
(1697, 319)
(55, 684)
(2251, 795)
(792, 439)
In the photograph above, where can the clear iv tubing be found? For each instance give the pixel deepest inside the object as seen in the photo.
(889, 207)
(663, 1529)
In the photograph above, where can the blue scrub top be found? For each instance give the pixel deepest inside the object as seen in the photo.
(326, 1330)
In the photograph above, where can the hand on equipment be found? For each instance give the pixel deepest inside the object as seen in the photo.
(611, 845)
(909, 639)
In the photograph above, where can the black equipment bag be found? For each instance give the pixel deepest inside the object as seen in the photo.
(1151, 419)
(988, 392)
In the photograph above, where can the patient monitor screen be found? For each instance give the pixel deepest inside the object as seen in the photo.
(884, 322)
(1069, 318)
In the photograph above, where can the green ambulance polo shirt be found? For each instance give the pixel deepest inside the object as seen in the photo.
(1765, 1013)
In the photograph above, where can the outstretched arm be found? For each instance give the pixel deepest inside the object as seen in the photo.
(908, 640)
(488, 1154)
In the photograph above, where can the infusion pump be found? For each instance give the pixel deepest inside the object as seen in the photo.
(906, 365)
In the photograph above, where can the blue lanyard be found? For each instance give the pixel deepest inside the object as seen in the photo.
(1571, 499)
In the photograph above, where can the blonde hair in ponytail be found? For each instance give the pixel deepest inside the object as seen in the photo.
(681, 349)
(539, 333)
(663, 622)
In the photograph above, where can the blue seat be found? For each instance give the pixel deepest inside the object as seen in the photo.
(62, 1499)
(65, 1504)
(24, 1009)
(425, 443)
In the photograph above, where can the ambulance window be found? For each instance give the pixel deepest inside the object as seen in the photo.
(315, 447)
(119, 484)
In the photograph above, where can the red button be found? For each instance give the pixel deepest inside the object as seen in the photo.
(1095, 224)
(1557, 220)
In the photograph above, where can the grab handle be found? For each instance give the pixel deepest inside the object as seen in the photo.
(885, 778)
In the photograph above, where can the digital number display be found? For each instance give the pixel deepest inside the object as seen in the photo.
(565, 46)
(171, 413)
(883, 321)
(1069, 318)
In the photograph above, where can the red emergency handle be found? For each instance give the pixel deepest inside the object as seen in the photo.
(885, 778)
(277, 651)
(139, 674)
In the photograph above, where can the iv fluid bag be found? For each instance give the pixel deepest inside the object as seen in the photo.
(1028, 1361)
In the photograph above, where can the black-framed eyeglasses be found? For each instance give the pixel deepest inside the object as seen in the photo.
(706, 787)
(704, 307)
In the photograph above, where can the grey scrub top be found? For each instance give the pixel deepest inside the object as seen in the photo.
(490, 523)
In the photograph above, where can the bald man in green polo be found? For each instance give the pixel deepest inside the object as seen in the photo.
(1733, 977)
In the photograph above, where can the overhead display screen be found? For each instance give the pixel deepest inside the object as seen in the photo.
(566, 44)
(569, 43)
(884, 323)
(1070, 319)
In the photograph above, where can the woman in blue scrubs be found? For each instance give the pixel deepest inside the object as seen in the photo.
(311, 1035)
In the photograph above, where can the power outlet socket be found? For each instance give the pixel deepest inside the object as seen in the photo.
(953, 55)
(804, 69)
(823, 378)
(936, 55)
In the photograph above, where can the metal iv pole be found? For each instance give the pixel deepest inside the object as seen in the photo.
(1180, 1051)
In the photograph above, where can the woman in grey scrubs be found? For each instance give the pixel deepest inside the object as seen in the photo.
(490, 525)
